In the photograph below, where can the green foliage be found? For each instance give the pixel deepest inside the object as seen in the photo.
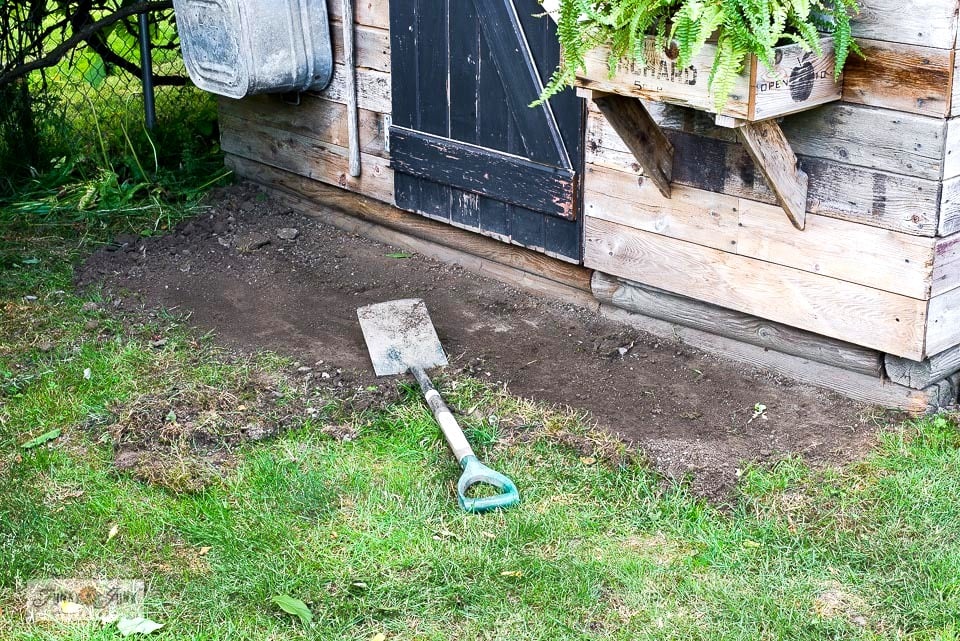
(740, 29)
(120, 178)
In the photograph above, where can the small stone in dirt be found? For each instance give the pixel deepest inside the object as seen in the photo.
(253, 242)
(304, 369)
(89, 306)
(125, 240)
(256, 431)
(45, 346)
(158, 343)
(91, 324)
(30, 299)
(223, 242)
(288, 233)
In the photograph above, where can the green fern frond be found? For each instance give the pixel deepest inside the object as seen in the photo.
(743, 28)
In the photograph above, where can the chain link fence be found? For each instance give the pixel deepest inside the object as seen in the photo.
(91, 100)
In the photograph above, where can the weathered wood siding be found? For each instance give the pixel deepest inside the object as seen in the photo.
(877, 265)
(310, 139)
(879, 262)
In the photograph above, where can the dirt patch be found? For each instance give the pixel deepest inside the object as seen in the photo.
(183, 439)
(834, 601)
(231, 271)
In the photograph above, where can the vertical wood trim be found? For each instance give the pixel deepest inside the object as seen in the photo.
(403, 48)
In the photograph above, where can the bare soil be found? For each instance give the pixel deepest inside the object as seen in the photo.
(692, 414)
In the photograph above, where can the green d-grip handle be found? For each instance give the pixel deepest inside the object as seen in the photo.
(476, 472)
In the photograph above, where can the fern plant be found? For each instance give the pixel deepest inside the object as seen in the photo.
(741, 28)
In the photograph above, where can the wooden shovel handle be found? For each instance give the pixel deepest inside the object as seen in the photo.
(448, 424)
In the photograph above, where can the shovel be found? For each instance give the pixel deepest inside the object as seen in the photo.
(400, 337)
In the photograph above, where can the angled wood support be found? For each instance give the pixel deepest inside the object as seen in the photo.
(642, 135)
(774, 157)
(764, 140)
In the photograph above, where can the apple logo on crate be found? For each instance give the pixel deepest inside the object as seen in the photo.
(802, 78)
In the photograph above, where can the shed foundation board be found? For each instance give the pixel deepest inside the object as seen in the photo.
(861, 387)
(662, 305)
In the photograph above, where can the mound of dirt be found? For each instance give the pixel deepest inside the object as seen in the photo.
(263, 276)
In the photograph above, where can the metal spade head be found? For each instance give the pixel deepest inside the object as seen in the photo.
(400, 335)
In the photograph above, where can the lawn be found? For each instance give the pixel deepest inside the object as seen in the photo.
(349, 506)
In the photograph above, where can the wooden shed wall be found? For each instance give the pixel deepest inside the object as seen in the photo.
(876, 265)
(310, 139)
(879, 263)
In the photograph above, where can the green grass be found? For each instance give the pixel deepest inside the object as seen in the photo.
(367, 531)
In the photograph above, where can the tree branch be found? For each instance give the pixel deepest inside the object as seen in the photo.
(83, 34)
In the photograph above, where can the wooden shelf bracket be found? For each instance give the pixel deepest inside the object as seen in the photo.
(764, 140)
(642, 135)
(774, 157)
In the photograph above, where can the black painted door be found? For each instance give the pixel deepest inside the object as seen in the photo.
(465, 146)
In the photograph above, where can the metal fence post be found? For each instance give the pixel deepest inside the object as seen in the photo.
(146, 71)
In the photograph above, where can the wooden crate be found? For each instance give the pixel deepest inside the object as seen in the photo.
(799, 80)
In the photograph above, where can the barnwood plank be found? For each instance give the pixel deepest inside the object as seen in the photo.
(882, 139)
(514, 236)
(372, 46)
(867, 137)
(950, 207)
(656, 303)
(951, 163)
(374, 213)
(860, 135)
(931, 23)
(370, 13)
(773, 156)
(508, 178)
(872, 197)
(955, 94)
(861, 387)
(373, 88)
(921, 374)
(403, 56)
(314, 117)
(642, 136)
(349, 51)
(306, 156)
(943, 323)
(946, 264)
(910, 78)
(880, 320)
(894, 262)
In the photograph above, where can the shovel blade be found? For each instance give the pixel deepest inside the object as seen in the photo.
(400, 335)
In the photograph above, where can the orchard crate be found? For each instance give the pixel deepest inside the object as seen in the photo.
(799, 80)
